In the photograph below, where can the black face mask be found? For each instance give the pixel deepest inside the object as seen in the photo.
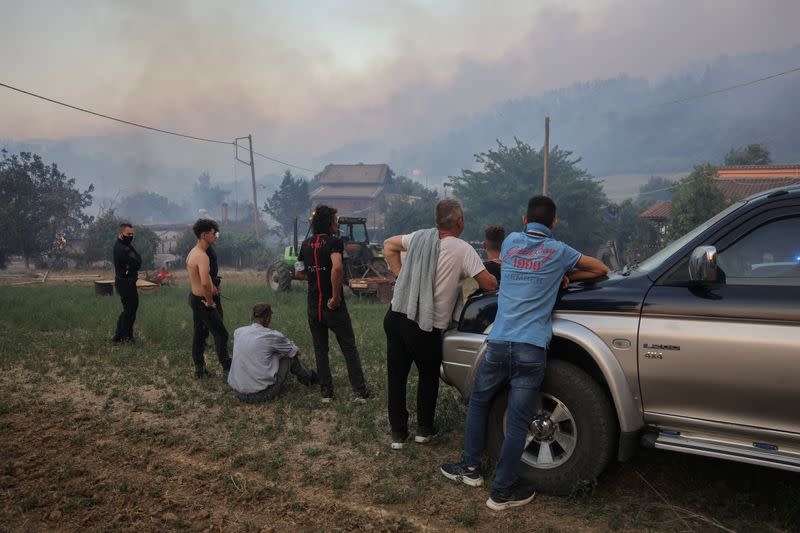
(126, 239)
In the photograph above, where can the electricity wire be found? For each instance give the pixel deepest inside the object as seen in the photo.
(725, 89)
(109, 117)
(146, 127)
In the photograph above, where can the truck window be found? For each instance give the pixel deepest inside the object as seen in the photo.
(768, 255)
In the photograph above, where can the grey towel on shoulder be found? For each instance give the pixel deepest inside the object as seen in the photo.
(413, 291)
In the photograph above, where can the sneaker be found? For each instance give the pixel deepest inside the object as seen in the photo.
(518, 494)
(399, 440)
(202, 373)
(425, 435)
(463, 474)
(362, 397)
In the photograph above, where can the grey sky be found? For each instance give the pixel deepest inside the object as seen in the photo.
(306, 77)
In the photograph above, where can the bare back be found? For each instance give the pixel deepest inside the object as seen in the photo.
(197, 265)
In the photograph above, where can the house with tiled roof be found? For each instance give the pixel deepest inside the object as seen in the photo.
(735, 182)
(354, 190)
(658, 215)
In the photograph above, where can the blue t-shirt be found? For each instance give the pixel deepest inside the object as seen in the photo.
(533, 265)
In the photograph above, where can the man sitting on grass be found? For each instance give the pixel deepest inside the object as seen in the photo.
(262, 359)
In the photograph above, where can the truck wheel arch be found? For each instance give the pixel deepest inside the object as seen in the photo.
(629, 413)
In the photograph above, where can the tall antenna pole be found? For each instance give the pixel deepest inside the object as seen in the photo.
(546, 152)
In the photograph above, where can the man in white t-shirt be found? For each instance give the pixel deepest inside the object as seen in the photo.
(428, 284)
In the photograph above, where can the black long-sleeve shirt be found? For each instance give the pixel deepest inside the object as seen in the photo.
(213, 266)
(127, 261)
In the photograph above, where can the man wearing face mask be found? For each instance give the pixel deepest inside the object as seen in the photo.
(127, 262)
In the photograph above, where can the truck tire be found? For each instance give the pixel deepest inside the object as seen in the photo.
(279, 276)
(569, 449)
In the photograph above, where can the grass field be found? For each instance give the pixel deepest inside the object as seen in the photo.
(103, 437)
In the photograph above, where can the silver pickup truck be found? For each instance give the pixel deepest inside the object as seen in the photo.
(695, 350)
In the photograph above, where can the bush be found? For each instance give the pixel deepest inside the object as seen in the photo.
(235, 248)
(102, 233)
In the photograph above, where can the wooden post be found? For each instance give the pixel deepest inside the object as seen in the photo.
(546, 152)
(253, 176)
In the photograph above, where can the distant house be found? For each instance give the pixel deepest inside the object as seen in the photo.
(735, 182)
(658, 215)
(354, 190)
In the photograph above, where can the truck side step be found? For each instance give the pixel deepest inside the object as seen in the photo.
(762, 454)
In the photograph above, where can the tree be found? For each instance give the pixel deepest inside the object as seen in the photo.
(656, 188)
(101, 235)
(207, 196)
(752, 154)
(37, 202)
(696, 199)
(150, 207)
(410, 208)
(289, 201)
(499, 192)
(635, 237)
(236, 247)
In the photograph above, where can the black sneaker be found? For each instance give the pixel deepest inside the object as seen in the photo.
(363, 396)
(425, 435)
(202, 373)
(327, 394)
(399, 440)
(462, 473)
(518, 494)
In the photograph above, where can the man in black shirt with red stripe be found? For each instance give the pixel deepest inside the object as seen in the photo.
(321, 257)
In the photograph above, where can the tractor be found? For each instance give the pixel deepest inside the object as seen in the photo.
(365, 269)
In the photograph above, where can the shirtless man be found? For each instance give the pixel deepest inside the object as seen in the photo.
(207, 318)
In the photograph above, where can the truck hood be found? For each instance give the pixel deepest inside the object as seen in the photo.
(612, 294)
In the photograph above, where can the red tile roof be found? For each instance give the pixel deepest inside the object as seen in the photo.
(742, 188)
(658, 211)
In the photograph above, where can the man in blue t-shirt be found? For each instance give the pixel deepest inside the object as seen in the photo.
(534, 266)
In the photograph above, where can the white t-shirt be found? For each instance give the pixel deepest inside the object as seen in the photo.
(457, 261)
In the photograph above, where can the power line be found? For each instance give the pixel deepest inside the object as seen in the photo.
(109, 117)
(279, 161)
(144, 126)
(724, 89)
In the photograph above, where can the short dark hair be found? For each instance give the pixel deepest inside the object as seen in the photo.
(203, 225)
(448, 212)
(261, 311)
(494, 235)
(541, 209)
(322, 218)
(123, 225)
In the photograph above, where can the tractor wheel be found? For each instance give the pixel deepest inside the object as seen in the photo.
(279, 276)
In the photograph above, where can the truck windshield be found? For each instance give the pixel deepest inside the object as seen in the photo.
(655, 260)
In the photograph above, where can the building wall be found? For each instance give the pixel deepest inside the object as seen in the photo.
(350, 206)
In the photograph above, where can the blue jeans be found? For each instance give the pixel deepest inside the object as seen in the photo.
(522, 366)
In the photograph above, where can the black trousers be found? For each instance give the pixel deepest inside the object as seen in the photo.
(207, 321)
(126, 288)
(339, 322)
(407, 344)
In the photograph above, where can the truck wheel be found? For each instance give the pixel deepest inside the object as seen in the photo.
(571, 440)
(279, 276)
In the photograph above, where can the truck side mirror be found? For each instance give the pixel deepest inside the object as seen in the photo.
(703, 265)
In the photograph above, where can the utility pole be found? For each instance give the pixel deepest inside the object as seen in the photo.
(253, 176)
(546, 152)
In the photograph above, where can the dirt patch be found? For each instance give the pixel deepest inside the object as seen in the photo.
(75, 460)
